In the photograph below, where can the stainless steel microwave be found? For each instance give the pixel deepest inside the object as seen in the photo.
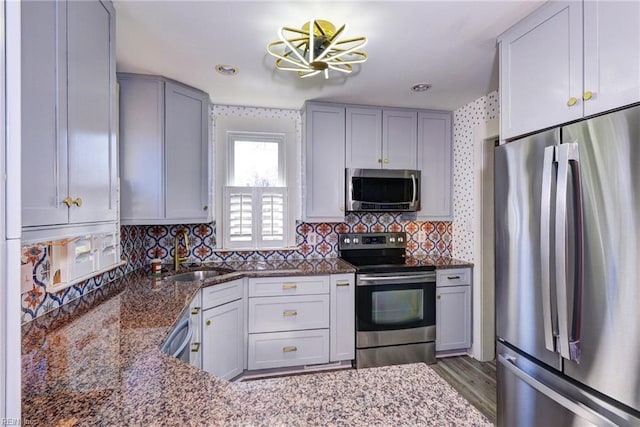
(382, 190)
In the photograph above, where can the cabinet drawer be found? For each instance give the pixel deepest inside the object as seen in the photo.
(294, 285)
(280, 349)
(453, 277)
(213, 296)
(272, 314)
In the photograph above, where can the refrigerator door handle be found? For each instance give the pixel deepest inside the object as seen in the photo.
(545, 246)
(576, 326)
(509, 362)
(569, 347)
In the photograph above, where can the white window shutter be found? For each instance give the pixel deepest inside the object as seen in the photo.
(273, 216)
(256, 217)
(240, 216)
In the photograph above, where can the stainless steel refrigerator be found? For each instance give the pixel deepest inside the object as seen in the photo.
(567, 212)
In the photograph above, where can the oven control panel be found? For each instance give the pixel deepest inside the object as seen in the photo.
(372, 240)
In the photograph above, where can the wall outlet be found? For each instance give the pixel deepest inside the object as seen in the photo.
(422, 236)
(312, 238)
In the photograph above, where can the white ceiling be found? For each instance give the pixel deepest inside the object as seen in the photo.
(450, 44)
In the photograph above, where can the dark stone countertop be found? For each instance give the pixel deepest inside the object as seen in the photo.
(96, 361)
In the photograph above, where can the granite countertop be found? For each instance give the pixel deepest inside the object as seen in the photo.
(97, 361)
(440, 262)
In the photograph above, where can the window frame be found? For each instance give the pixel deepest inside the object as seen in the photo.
(269, 137)
(257, 242)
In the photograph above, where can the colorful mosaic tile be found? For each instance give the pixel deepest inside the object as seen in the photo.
(36, 301)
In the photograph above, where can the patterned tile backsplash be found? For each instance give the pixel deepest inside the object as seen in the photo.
(140, 244)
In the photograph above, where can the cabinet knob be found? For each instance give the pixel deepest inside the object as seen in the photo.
(438, 297)
(587, 95)
(379, 160)
(195, 310)
(572, 101)
(205, 207)
(208, 322)
(341, 208)
(78, 202)
(386, 160)
(68, 201)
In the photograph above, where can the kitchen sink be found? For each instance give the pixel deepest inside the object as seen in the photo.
(198, 275)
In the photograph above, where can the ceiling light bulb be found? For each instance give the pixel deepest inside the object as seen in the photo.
(420, 87)
(316, 47)
(227, 70)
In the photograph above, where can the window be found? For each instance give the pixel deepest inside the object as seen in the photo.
(255, 197)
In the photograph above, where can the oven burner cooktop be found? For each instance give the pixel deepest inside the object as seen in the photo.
(377, 252)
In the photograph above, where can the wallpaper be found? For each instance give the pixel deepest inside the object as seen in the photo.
(464, 120)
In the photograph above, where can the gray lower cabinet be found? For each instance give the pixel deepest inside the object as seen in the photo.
(300, 320)
(69, 167)
(223, 343)
(222, 329)
(164, 151)
(453, 310)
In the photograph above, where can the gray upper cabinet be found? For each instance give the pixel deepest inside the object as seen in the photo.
(568, 60)
(164, 151)
(69, 164)
(435, 147)
(324, 162)
(381, 138)
(363, 138)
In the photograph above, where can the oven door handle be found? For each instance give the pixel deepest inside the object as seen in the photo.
(410, 278)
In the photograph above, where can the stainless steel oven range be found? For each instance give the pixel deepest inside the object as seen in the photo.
(395, 302)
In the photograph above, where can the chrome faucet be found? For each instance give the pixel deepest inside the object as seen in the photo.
(177, 259)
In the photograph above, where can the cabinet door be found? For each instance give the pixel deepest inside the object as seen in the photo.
(325, 164)
(141, 149)
(363, 138)
(399, 139)
(186, 135)
(453, 318)
(90, 91)
(342, 318)
(434, 160)
(44, 137)
(223, 340)
(611, 54)
(541, 69)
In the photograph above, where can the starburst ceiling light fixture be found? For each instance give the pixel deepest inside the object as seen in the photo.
(316, 48)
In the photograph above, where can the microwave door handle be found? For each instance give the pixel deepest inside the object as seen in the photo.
(415, 189)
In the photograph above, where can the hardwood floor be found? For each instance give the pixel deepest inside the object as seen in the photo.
(475, 381)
